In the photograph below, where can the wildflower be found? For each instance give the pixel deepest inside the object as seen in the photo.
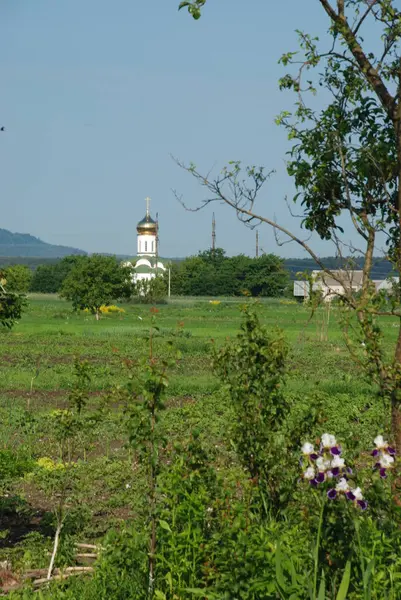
(337, 463)
(357, 493)
(384, 455)
(380, 443)
(342, 486)
(307, 449)
(309, 473)
(328, 440)
(323, 464)
(386, 461)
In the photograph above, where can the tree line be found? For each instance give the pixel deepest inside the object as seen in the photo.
(209, 273)
(212, 273)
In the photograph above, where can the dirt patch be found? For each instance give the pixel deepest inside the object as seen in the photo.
(180, 401)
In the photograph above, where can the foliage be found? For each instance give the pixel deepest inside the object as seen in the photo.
(194, 7)
(345, 159)
(18, 278)
(151, 291)
(95, 281)
(49, 278)
(214, 537)
(253, 370)
(212, 273)
(11, 305)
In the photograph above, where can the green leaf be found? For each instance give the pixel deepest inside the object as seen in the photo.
(342, 592)
(322, 588)
(165, 525)
(368, 573)
(279, 569)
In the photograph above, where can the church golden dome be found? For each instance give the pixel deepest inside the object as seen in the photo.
(147, 224)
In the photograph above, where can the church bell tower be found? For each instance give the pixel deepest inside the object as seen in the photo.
(147, 234)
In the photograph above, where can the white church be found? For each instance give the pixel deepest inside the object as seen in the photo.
(148, 264)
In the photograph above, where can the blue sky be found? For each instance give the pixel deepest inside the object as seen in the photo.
(96, 95)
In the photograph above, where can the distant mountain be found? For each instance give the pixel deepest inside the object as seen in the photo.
(26, 245)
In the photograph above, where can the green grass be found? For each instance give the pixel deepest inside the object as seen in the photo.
(40, 352)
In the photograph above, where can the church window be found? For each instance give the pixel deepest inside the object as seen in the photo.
(146, 246)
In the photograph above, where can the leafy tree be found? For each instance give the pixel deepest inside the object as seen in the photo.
(11, 305)
(345, 160)
(45, 280)
(95, 281)
(212, 273)
(48, 279)
(151, 291)
(18, 278)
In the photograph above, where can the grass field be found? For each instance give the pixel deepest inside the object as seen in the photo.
(36, 374)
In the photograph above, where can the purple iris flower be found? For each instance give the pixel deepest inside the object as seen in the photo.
(349, 470)
(313, 456)
(320, 477)
(375, 452)
(377, 466)
(390, 450)
(383, 473)
(350, 496)
(313, 482)
(335, 471)
(363, 504)
(335, 450)
(331, 494)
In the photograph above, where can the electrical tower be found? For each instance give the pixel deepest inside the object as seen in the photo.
(157, 241)
(213, 234)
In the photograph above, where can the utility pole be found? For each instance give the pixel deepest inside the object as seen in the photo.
(213, 234)
(257, 244)
(157, 241)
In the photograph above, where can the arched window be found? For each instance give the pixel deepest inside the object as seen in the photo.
(146, 246)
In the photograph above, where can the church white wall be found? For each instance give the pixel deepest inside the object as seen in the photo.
(146, 244)
(142, 276)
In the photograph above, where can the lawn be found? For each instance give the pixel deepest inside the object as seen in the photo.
(37, 372)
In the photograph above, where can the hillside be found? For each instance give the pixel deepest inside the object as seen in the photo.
(26, 245)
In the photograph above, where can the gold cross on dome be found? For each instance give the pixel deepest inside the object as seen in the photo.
(147, 205)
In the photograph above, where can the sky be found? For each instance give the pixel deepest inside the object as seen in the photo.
(96, 95)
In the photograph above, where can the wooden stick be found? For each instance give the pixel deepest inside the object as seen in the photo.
(89, 546)
(86, 555)
(60, 576)
(55, 547)
(32, 573)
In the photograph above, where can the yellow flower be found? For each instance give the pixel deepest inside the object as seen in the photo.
(48, 464)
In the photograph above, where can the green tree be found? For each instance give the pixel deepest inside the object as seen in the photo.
(345, 159)
(95, 281)
(266, 276)
(44, 280)
(48, 279)
(11, 305)
(18, 278)
(151, 291)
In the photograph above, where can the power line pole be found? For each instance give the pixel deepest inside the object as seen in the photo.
(157, 241)
(213, 234)
(257, 244)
